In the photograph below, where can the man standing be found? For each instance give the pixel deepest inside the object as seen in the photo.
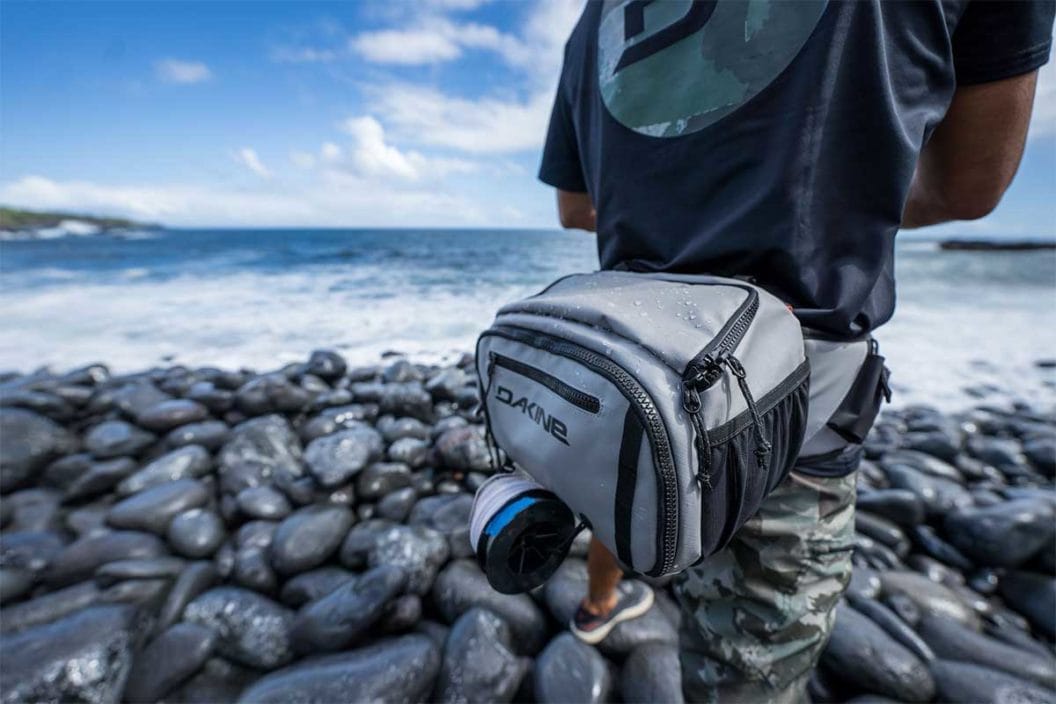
(785, 142)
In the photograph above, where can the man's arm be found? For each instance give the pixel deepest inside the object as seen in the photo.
(576, 211)
(969, 162)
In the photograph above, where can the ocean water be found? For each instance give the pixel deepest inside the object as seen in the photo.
(968, 324)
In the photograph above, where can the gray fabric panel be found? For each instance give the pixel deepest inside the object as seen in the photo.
(584, 472)
(834, 366)
(643, 522)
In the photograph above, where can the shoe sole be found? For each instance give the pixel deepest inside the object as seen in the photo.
(596, 636)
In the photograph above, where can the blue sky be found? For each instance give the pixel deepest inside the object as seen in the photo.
(372, 113)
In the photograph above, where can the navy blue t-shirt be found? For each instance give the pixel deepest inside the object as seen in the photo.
(773, 140)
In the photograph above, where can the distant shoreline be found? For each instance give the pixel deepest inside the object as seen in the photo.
(996, 245)
(17, 223)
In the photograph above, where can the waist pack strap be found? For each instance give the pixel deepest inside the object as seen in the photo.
(858, 409)
(626, 482)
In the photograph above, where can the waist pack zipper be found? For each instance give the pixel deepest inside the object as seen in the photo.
(705, 370)
(667, 482)
(580, 399)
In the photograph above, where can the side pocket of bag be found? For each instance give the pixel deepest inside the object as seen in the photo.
(858, 409)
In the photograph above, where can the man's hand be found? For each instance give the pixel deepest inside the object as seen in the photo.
(969, 162)
(576, 211)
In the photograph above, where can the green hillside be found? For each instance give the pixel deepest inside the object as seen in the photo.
(19, 219)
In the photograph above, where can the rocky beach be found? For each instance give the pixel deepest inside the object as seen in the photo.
(216, 535)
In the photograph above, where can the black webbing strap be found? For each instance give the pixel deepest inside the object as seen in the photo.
(626, 482)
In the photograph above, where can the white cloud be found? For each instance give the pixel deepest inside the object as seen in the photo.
(304, 55)
(248, 157)
(1043, 121)
(182, 72)
(477, 126)
(335, 199)
(405, 46)
(371, 156)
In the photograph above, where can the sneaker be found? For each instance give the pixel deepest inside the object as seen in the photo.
(634, 600)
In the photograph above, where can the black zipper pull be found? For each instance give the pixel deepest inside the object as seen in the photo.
(762, 452)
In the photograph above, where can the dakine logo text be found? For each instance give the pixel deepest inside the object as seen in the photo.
(557, 429)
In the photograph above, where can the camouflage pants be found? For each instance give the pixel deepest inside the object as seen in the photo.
(756, 615)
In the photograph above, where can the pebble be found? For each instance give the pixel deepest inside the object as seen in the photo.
(81, 558)
(170, 414)
(31, 441)
(347, 614)
(1032, 595)
(652, 673)
(253, 571)
(569, 670)
(153, 509)
(251, 629)
(308, 536)
(172, 657)
(397, 505)
(966, 682)
(478, 665)
(47, 608)
(930, 597)
(314, 584)
(195, 578)
(382, 478)
(398, 670)
(164, 567)
(210, 434)
(417, 550)
(334, 459)
(116, 438)
(189, 462)
(263, 502)
(82, 657)
(258, 450)
(196, 533)
(464, 448)
(1004, 535)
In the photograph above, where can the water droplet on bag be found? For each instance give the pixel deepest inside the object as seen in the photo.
(637, 303)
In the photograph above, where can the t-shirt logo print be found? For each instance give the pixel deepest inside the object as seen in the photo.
(672, 67)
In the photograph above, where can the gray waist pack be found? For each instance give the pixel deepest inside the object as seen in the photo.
(661, 408)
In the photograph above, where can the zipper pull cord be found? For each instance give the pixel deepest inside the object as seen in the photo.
(762, 453)
(494, 458)
(691, 403)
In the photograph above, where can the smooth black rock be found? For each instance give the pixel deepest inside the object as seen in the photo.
(401, 371)
(30, 550)
(1005, 454)
(189, 462)
(206, 393)
(393, 429)
(253, 570)
(360, 540)
(410, 451)
(218, 680)
(401, 614)
(397, 505)
(923, 462)
(168, 660)
(66, 469)
(259, 450)
(83, 557)
(210, 434)
(195, 578)
(938, 494)
(396, 670)
(446, 384)
(461, 585)
(930, 597)
(264, 502)
(1032, 595)
(164, 567)
(251, 628)
(153, 509)
(478, 665)
(171, 414)
(464, 449)
(347, 614)
(862, 652)
(569, 670)
(196, 533)
(84, 657)
(929, 541)
(1004, 535)
(99, 478)
(417, 550)
(652, 673)
(314, 584)
(15, 582)
(864, 584)
(882, 531)
(33, 510)
(308, 536)
(334, 459)
(271, 393)
(256, 533)
(1041, 452)
(934, 570)
(952, 641)
(937, 443)
(31, 441)
(48, 607)
(899, 506)
(967, 682)
(894, 626)
(447, 514)
(382, 478)
(326, 364)
(135, 397)
(116, 438)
